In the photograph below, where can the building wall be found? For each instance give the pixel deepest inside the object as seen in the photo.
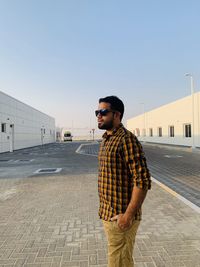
(24, 126)
(175, 114)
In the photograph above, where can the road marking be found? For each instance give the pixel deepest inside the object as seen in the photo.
(172, 192)
(83, 153)
(48, 170)
(172, 156)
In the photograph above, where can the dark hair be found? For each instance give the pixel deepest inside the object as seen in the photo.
(115, 103)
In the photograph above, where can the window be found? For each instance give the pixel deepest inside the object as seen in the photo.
(67, 134)
(3, 127)
(151, 132)
(171, 131)
(187, 130)
(137, 131)
(160, 131)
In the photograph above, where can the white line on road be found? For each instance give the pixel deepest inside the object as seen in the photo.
(83, 153)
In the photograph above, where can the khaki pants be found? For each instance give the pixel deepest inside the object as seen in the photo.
(120, 244)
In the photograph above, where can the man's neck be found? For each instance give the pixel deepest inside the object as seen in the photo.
(110, 131)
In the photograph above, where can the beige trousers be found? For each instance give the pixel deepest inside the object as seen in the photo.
(120, 244)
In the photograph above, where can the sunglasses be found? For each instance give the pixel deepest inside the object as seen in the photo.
(103, 112)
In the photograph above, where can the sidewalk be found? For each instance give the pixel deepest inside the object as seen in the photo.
(52, 221)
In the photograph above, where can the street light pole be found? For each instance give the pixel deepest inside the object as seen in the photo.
(144, 124)
(93, 133)
(192, 95)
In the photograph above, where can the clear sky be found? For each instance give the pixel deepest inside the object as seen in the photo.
(61, 56)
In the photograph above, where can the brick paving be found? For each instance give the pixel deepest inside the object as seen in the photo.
(52, 220)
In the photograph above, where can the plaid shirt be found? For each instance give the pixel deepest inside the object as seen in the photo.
(122, 165)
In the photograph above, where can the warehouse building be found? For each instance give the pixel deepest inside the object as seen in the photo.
(23, 126)
(177, 123)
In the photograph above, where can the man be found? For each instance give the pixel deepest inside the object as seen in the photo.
(122, 184)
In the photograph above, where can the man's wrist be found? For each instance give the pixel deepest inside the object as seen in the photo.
(129, 215)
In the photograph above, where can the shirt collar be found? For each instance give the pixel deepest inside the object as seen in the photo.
(114, 132)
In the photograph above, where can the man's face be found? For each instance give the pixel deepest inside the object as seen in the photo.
(105, 122)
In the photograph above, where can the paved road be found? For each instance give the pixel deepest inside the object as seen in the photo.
(23, 163)
(177, 168)
(50, 220)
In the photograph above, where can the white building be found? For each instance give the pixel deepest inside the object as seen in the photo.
(23, 126)
(177, 123)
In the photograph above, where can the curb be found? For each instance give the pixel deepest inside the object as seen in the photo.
(170, 191)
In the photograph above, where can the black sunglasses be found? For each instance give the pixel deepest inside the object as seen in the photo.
(103, 112)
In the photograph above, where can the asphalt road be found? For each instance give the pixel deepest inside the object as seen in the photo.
(177, 168)
(25, 162)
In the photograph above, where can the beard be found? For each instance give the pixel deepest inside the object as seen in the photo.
(105, 125)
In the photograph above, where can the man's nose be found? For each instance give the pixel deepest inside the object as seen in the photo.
(99, 115)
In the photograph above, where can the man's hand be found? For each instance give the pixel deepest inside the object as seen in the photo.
(123, 221)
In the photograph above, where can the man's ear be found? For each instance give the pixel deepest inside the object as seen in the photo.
(117, 115)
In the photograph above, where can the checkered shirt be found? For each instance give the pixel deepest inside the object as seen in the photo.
(122, 165)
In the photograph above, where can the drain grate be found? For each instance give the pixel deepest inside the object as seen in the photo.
(5, 160)
(48, 170)
(23, 160)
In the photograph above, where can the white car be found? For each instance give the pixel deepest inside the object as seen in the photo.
(67, 136)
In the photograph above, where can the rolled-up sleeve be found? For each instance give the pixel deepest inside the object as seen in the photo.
(136, 162)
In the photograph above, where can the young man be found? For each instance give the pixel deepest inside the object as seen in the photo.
(122, 184)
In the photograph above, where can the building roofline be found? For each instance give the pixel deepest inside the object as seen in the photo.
(27, 105)
(195, 93)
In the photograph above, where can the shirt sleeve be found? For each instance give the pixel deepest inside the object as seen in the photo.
(136, 162)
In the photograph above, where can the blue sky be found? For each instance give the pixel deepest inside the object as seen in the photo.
(62, 56)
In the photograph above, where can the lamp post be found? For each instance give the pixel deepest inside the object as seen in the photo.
(192, 95)
(144, 124)
(93, 133)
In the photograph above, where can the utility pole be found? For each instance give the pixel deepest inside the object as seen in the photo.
(93, 133)
(192, 104)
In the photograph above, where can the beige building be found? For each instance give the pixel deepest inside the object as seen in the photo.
(177, 123)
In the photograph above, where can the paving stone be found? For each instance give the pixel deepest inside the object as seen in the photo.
(150, 264)
(71, 264)
(93, 259)
(19, 262)
(79, 257)
(84, 264)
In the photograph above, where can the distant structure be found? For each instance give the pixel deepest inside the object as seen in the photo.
(177, 123)
(78, 134)
(23, 126)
